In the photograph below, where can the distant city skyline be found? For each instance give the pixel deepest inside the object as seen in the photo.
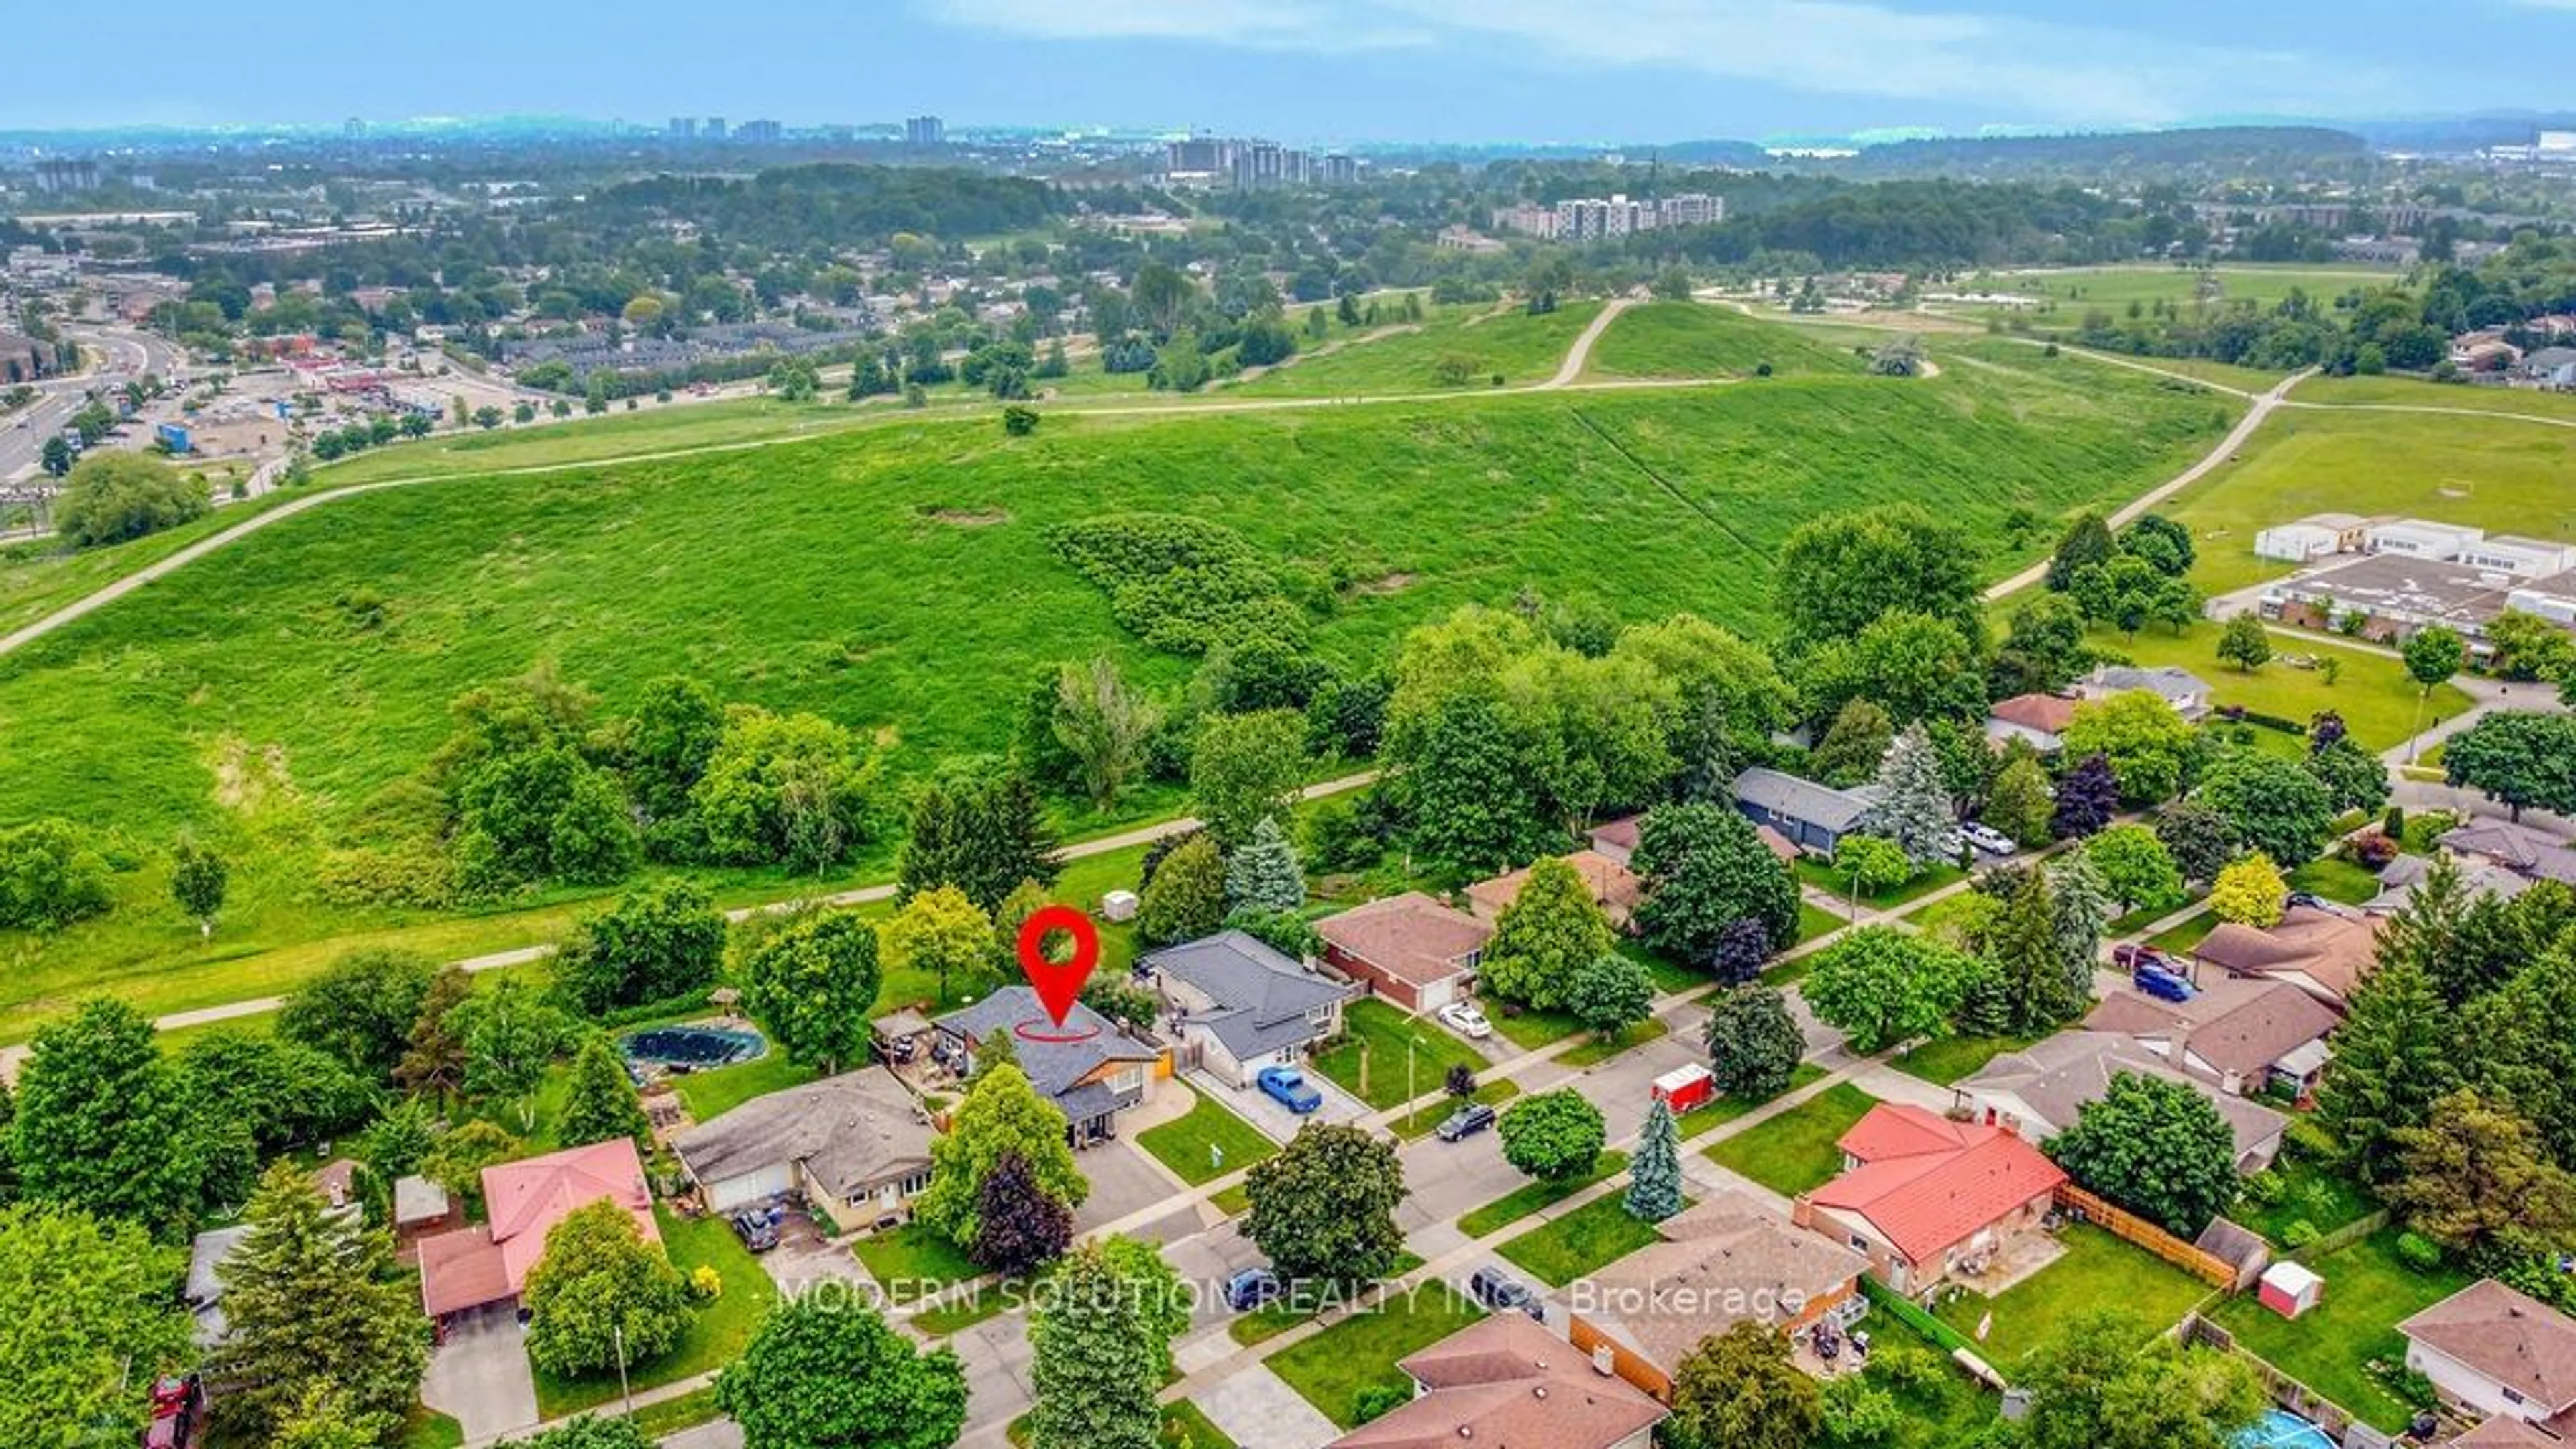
(1438, 71)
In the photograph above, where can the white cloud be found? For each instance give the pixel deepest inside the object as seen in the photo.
(1852, 47)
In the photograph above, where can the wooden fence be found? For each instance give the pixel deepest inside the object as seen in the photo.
(2129, 1227)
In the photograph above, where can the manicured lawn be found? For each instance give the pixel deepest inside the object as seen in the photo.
(670, 1416)
(1692, 339)
(1952, 1058)
(1814, 920)
(2182, 938)
(1529, 1197)
(1820, 873)
(1182, 1144)
(244, 704)
(1530, 1030)
(1331, 1368)
(1492, 1093)
(2371, 691)
(1235, 1201)
(2336, 880)
(1601, 1049)
(1940, 1411)
(1716, 1112)
(1523, 348)
(1183, 1423)
(1795, 1152)
(2098, 1271)
(426, 1428)
(715, 1336)
(1306, 1299)
(1563, 1249)
(712, 1094)
(1376, 1034)
(965, 1312)
(913, 1254)
(2329, 1348)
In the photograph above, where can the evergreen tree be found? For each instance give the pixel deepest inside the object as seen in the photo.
(1655, 1173)
(2087, 541)
(92, 1312)
(600, 1102)
(983, 834)
(433, 1053)
(1264, 874)
(2086, 799)
(1913, 807)
(2394, 1057)
(327, 1420)
(1102, 1343)
(1551, 930)
(2023, 944)
(1019, 1228)
(313, 1301)
(2082, 904)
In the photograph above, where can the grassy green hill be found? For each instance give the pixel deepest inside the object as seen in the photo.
(1688, 339)
(1404, 358)
(898, 579)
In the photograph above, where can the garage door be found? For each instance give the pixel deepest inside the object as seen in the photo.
(750, 1188)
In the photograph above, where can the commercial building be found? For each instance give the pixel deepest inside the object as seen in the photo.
(924, 131)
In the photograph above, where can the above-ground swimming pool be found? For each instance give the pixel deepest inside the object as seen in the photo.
(2281, 1429)
(692, 1048)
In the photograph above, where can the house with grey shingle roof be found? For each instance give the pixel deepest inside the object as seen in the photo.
(1090, 1067)
(1813, 816)
(1238, 1005)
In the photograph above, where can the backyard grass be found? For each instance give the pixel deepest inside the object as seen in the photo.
(2310, 1193)
(2097, 1271)
(1492, 1093)
(712, 1094)
(245, 701)
(2371, 691)
(1376, 1034)
(1795, 1152)
(1937, 1410)
(2369, 1291)
(1360, 1352)
(1563, 1249)
(2179, 940)
(1716, 1112)
(1183, 1143)
(2495, 473)
(1530, 1197)
(716, 1334)
(915, 1255)
(1952, 1058)
(1690, 339)
(2335, 879)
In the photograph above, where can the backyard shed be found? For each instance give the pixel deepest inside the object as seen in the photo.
(2290, 1289)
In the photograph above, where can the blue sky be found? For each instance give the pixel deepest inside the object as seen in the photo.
(1322, 70)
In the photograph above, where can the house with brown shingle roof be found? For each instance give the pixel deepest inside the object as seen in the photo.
(2494, 1351)
(1507, 1383)
(2323, 953)
(1923, 1197)
(1410, 949)
(2041, 719)
(1614, 889)
(2239, 1035)
(1718, 1264)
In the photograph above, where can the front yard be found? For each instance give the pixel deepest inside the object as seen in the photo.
(2098, 1271)
(1795, 1152)
(1182, 1144)
(1822, 875)
(1360, 1352)
(914, 1254)
(2369, 1291)
(1564, 1249)
(1953, 1058)
(1529, 1197)
(1369, 1061)
(715, 1336)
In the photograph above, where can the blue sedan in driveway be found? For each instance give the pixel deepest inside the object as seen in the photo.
(1287, 1086)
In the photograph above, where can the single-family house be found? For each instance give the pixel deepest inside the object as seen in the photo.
(1923, 1197)
(486, 1265)
(1505, 1382)
(2478, 877)
(2184, 690)
(1237, 1005)
(2039, 1091)
(2038, 719)
(2324, 953)
(1717, 1264)
(2239, 1035)
(1814, 817)
(1616, 840)
(1091, 1068)
(855, 1145)
(204, 1293)
(2549, 367)
(1410, 949)
(1614, 888)
(2492, 1350)
(2533, 854)
(2504, 1433)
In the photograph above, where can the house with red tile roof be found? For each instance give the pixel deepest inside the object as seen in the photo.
(488, 1263)
(1506, 1382)
(1410, 949)
(2040, 719)
(1923, 1197)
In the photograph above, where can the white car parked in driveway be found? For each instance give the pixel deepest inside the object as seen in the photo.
(1465, 1020)
(1988, 839)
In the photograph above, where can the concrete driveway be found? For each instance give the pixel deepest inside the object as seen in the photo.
(1258, 1411)
(479, 1375)
(806, 1257)
(1271, 1119)
(1123, 1180)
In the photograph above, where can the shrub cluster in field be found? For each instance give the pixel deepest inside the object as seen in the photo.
(1178, 583)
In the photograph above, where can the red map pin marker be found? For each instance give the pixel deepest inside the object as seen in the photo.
(1058, 983)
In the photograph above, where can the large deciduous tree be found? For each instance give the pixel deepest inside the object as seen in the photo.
(361, 1009)
(2523, 761)
(1550, 931)
(2136, 868)
(1323, 1208)
(1470, 804)
(1185, 899)
(1103, 727)
(511, 1034)
(810, 984)
(2153, 1146)
(2286, 814)
(1754, 1044)
(1742, 1389)
(106, 1124)
(941, 932)
(1553, 1136)
(1840, 573)
(1102, 1342)
(601, 1290)
(1881, 986)
(2250, 892)
(2477, 1179)
(826, 1374)
(1610, 993)
(1000, 1115)
(313, 1301)
(2021, 802)
(1018, 1227)
(2149, 746)
(93, 1312)
(1246, 768)
(2107, 1380)
(2196, 837)
(2087, 799)
(664, 939)
(1701, 869)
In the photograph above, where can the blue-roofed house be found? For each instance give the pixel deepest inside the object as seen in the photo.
(1091, 1068)
(1238, 1005)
